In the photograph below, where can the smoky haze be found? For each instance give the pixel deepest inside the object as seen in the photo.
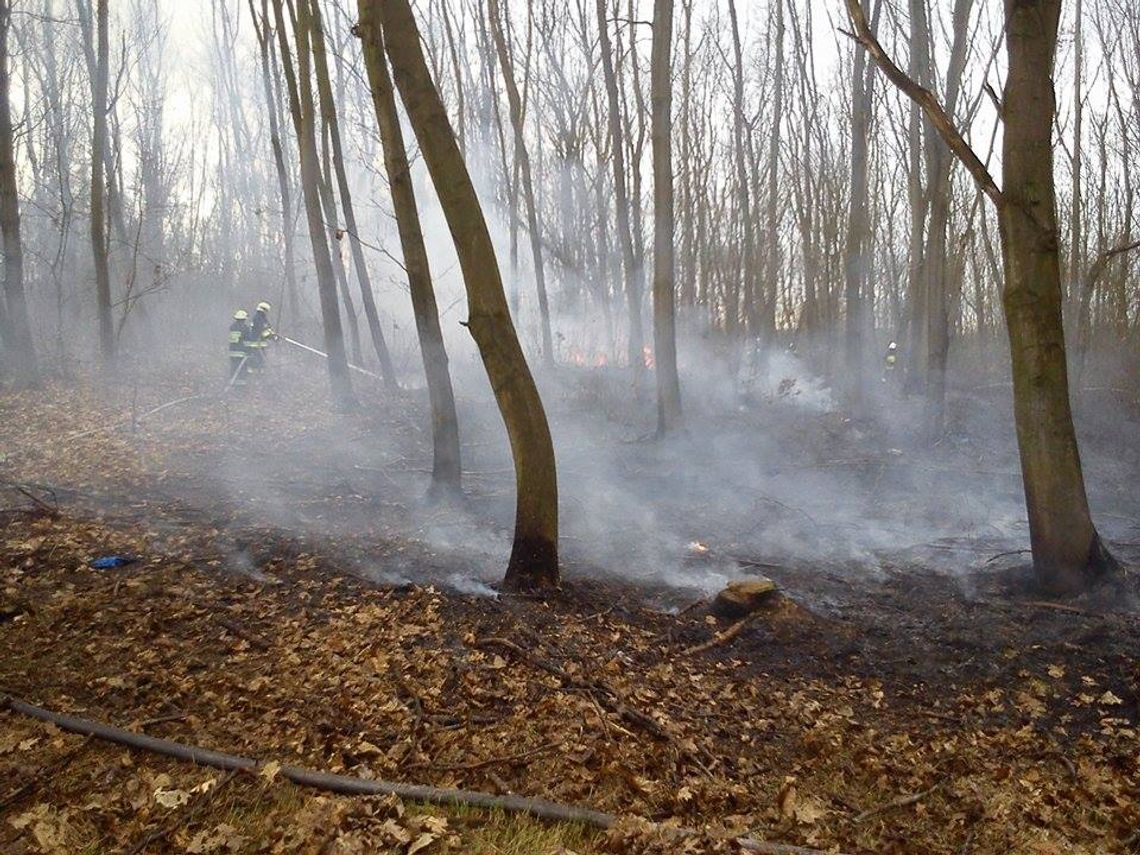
(774, 468)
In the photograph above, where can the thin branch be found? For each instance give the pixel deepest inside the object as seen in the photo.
(925, 99)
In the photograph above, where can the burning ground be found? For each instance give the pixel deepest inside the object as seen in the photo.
(295, 600)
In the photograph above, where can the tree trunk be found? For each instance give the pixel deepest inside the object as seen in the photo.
(745, 290)
(301, 107)
(15, 327)
(664, 321)
(1067, 551)
(1068, 554)
(858, 251)
(522, 159)
(445, 473)
(534, 553)
(332, 124)
(99, 187)
(335, 236)
(771, 285)
(621, 198)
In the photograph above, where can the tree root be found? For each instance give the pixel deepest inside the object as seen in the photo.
(348, 785)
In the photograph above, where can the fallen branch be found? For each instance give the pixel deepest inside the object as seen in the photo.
(348, 785)
(1008, 554)
(722, 638)
(494, 761)
(327, 781)
(1060, 607)
(606, 696)
(904, 801)
(49, 510)
(236, 629)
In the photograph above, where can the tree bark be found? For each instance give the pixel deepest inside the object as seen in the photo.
(446, 471)
(99, 247)
(630, 266)
(15, 326)
(522, 159)
(301, 107)
(664, 320)
(857, 251)
(329, 116)
(534, 553)
(1068, 554)
(1067, 551)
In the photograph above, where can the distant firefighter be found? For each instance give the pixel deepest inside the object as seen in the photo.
(890, 362)
(239, 347)
(260, 334)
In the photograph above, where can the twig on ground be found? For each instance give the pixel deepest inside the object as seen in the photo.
(1008, 554)
(43, 776)
(184, 816)
(493, 761)
(163, 719)
(50, 510)
(1060, 607)
(606, 695)
(722, 638)
(904, 801)
(236, 629)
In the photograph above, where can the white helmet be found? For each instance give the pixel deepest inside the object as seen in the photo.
(264, 307)
(892, 346)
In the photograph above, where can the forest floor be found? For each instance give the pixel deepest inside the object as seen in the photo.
(290, 603)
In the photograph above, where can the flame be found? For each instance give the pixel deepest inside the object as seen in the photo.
(647, 356)
(698, 548)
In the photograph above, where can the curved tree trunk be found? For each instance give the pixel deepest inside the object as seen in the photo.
(534, 553)
(445, 472)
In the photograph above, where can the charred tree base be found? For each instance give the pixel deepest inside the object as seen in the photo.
(1101, 568)
(533, 566)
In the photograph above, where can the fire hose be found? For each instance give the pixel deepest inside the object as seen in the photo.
(324, 355)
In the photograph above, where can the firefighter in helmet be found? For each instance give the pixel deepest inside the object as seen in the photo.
(890, 361)
(239, 347)
(260, 334)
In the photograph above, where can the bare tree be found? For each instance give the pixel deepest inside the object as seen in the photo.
(1068, 554)
(15, 328)
(664, 323)
(299, 87)
(630, 265)
(445, 473)
(522, 160)
(332, 128)
(534, 553)
(99, 248)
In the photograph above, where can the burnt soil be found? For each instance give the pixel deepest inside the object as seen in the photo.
(279, 608)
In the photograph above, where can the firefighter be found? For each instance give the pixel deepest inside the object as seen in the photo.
(260, 334)
(239, 347)
(890, 361)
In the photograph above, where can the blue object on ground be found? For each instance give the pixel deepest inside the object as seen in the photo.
(109, 562)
